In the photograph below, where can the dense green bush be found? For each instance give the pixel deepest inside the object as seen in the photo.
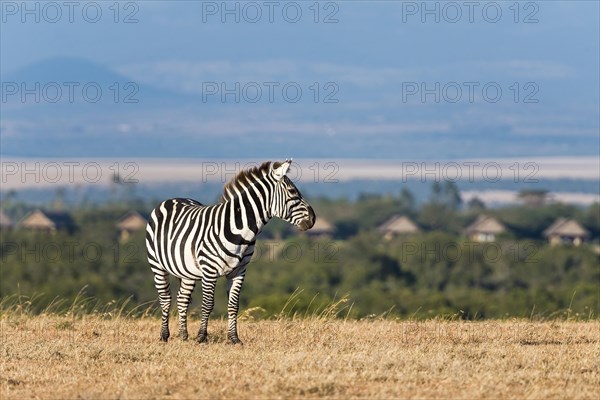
(438, 272)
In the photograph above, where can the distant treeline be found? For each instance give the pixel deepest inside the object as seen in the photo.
(437, 271)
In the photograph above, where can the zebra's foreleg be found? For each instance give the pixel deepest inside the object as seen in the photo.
(234, 285)
(186, 287)
(208, 303)
(161, 281)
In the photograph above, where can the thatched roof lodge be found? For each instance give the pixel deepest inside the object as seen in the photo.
(47, 221)
(484, 229)
(398, 225)
(565, 231)
(321, 228)
(131, 222)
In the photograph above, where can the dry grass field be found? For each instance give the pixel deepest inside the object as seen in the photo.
(91, 356)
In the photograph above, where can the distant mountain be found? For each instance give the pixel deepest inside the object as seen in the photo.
(66, 85)
(64, 69)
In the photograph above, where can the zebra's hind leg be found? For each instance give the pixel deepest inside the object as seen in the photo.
(234, 285)
(208, 303)
(161, 281)
(186, 287)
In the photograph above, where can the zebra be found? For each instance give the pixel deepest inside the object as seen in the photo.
(196, 242)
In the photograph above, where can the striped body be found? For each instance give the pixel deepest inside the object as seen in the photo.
(195, 242)
(184, 234)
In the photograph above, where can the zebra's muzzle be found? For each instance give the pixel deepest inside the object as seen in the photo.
(309, 221)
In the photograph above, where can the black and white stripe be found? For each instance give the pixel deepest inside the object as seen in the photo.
(195, 242)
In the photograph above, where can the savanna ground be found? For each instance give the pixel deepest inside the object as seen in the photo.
(112, 356)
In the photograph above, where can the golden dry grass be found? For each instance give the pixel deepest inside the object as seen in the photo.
(89, 357)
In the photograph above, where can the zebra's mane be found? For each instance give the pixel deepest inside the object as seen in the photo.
(244, 177)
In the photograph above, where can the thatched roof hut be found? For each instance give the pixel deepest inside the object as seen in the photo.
(398, 225)
(485, 229)
(567, 231)
(131, 222)
(48, 221)
(321, 228)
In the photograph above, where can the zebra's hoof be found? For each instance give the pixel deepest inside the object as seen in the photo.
(235, 341)
(203, 339)
(183, 336)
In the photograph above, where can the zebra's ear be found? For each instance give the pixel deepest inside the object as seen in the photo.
(280, 170)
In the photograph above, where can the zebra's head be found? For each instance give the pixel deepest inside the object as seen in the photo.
(288, 203)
